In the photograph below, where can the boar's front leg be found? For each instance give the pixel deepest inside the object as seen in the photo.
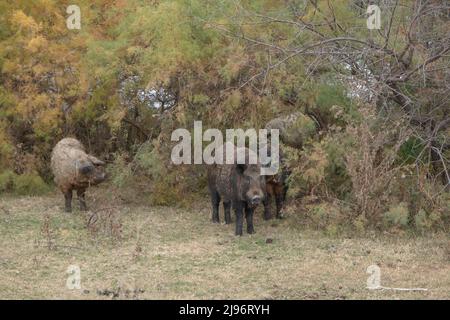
(215, 201)
(82, 199)
(239, 208)
(68, 200)
(249, 217)
(226, 209)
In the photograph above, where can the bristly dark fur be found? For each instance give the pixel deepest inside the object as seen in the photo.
(237, 185)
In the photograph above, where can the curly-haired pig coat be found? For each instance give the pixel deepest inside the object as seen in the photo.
(240, 185)
(74, 169)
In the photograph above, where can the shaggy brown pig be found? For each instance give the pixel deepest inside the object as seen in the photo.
(74, 169)
(239, 185)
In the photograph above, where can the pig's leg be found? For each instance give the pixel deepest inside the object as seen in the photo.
(266, 202)
(285, 189)
(279, 204)
(68, 200)
(249, 217)
(215, 201)
(239, 208)
(81, 198)
(280, 196)
(226, 209)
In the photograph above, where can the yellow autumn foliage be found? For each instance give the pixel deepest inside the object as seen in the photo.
(24, 22)
(37, 43)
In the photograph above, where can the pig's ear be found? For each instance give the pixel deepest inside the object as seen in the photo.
(241, 168)
(95, 161)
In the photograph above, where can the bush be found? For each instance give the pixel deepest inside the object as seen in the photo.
(422, 221)
(308, 169)
(149, 177)
(331, 217)
(397, 216)
(30, 184)
(371, 164)
(7, 181)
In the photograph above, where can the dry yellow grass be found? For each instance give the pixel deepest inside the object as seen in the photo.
(171, 253)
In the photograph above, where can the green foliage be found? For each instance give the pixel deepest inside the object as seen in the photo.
(328, 216)
(410, 151)
(422, 221)
(7, 179)
(330, 103)
(30, 184)
(398, 215)
(120, 172)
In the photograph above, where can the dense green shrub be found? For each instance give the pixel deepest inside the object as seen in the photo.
(30, 184)
(398, 215)
(7, 179)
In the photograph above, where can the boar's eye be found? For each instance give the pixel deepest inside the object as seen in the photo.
(86, 169)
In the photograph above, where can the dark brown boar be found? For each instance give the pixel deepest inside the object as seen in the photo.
(276, 187)
(74, 169)
(239, 185)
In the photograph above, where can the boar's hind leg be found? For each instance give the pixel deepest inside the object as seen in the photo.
(215, 201)
(226, 209)
(68, 202)
(249, 217)
(81, 198)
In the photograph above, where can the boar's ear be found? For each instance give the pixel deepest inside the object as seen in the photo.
(241, 168)
(96, 161)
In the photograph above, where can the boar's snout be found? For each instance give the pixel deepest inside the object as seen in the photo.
(99, 176)
(256, 200)
(94, 173)
(255, 194)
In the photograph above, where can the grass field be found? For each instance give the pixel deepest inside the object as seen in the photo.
(141, 252)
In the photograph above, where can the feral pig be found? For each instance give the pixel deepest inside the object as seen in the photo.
(276, 187)
(239, 185)
(294, 128)
(74, 169)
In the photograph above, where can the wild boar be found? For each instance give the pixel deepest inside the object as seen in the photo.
(294, 128)
(74, 169)
(239, 185)
(276, 186)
